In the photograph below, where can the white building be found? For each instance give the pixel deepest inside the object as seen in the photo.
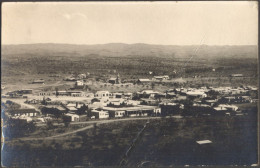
(74, 117)
(160, 78)
(102, 94)
(196, 94)
(79, 83)
(100, 114)
(229, 107)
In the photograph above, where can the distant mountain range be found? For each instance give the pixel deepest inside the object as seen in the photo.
(123, 50)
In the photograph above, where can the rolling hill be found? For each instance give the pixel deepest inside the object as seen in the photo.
(123, 50)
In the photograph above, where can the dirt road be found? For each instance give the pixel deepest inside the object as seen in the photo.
(87, 127)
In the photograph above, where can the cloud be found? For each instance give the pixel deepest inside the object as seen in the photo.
(74, 15)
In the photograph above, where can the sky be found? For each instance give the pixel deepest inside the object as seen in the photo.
(166, 23)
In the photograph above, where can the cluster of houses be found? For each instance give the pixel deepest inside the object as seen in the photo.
(105, 104)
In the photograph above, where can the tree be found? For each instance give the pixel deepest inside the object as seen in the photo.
(49, 124)
(94, 100)
(57, 91)
(17, 127)
(82, 110)
(153, 85)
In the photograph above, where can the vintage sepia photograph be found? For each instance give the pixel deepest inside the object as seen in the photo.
(129, 84)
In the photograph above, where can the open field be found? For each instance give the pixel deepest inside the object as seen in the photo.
(23, 67)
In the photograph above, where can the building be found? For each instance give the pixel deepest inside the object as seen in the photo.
(147, 94)
(75, 93)
(79, 83)
(161, 78)
(24, 112)
(157, 111)
(116, 80)
(132, 102)
(122, 95)
(72, 107)
(72, 117)
(135, 111)
(196, 94)
(62, 93)
(38, 81)
(25, 91)
(150, 102)
(47, 93)
(99, 114)
(143, 81)
(229, 107)
(116, 113)
(102, 94)
(220, 111)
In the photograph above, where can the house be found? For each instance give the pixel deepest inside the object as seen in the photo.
(79, 83)
(147, 94)
(99, 114)
(161, 78)
(14, 95)
(196, 94)
(143, 81)
(63, 93)
(149, 101)
(22, 118)
(38, 81)
(24, 112)
(115, 101)
(132, 102)
(220, 111)
(116, 113)
(25, 91)
(229, 107)
(75, 93)
(132, 111)
(72, 117)
(157, 111)
(47, 93)
(102, 94)
(122, 95)
(128, 95)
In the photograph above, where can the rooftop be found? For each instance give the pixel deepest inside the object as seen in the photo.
(204, 142)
